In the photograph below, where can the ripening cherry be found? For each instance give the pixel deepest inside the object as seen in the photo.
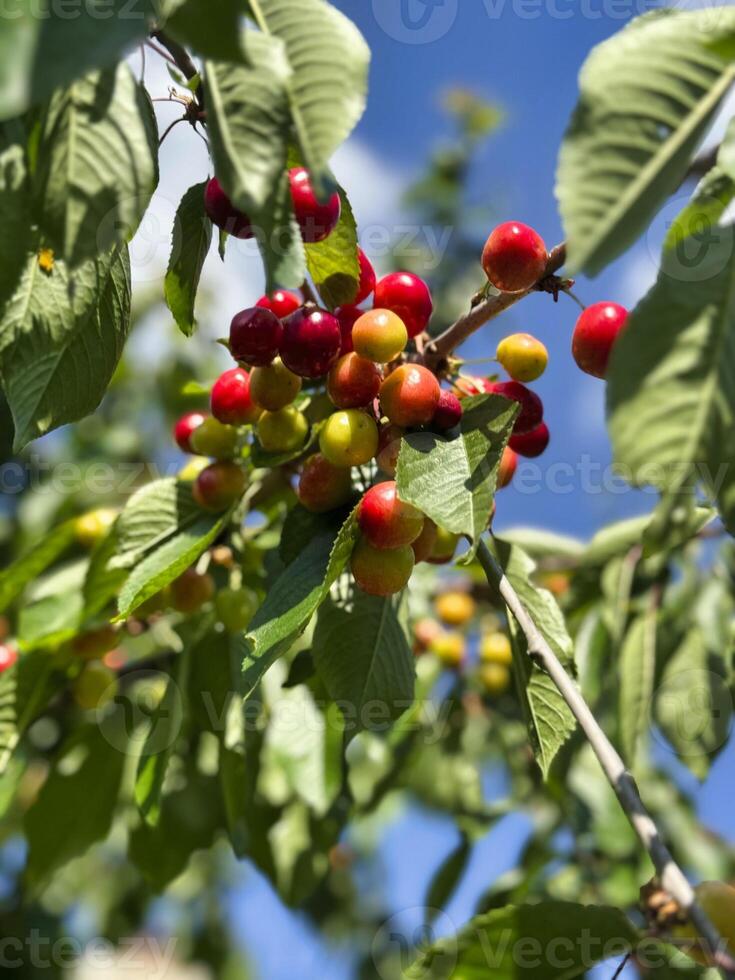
(282, 302)
(185, 427)
(311, 342)
(385, 520)
(531, 444)
(595, 334)
(495, 679)
(231, 400)
(255, 336)
(274, 387)
(449, 648)
(368, 278)
(190, 591)
(315, 220)
(468, 387)
(8, 656)
(212, 438)
(410, 395)
(389, 446)
(221, 212)
(448, 412)
(507, 468)
(92, 527)
(353, 382)
(444, 548)
(379, 335)
(424, 631)
(381, 573)
(347, 317)
(95, 687)
(408, 297)
(523, 356)
(349, 438)
(532, 409)
(283, 431)
(514, 257)
(424, 544)
(94, 644)
(454, 608)
(495, 648)
(323, 486)
(235, 608)
(219, 486)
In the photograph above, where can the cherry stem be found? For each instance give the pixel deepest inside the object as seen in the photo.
(577, 300)
(161, 53)
(168, 129)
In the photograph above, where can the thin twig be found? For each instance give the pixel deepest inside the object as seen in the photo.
(182, 60)
(623, 963)
(161, 53)
(170, 127)
(672, 877)
(439, 349)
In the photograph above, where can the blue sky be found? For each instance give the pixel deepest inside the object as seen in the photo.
(525, 57)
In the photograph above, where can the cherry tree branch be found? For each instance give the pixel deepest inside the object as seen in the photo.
(438, 350)
(672, 877)
(182, 60)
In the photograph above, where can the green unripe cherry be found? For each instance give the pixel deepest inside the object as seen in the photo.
(349, 438)
(283, 431)
(235, 608)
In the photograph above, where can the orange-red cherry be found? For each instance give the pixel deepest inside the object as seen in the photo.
(385, 520)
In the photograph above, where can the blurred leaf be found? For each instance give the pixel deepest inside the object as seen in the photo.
(210, 29)
(453, 480)
(24, 690)
(62, 336)
(637, 672)
(671, 395)
(539, 543)
(192, 237)
(446, 878)
(43, 48)
(50, 621)
(333, 263)
(58, 826)
(294, 598)
(647, 97)
(98, 164)
(567, 939)
(30, 565)
(362, 655)
(708, 204)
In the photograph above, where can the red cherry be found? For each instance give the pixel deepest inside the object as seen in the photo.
(8, 656)
(367, 278)
(386, 521)
(408, 296)
(409, 395)
(348, 317)
(282, 302)
(231, 401)
(255, 336)
(514, 257)
(184, 428)
(311, 342)
(218, 486)
(507, 468)
(316, 220)
(448, 412)
(220, 211)
(531, 444)
(594, 335)
(532, 408)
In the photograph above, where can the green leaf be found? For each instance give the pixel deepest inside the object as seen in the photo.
(167, 562)
(550, 721)
(279, 240)
(43, 48)
(695, 221)
(98, 157)
(329, 62)
(693, 706)
(165, 726)
(671, 394)
(61, 338)
(50, 621)
(543, 941)
(60, 825)
(25, 689)
(647, 97)
(151, 516)
(30, 565)
(333, 263)
(192, 237)
(637, 672)
(212, 30)
(102, 581)
(15, 206)
(453, 480)
(446, 878)
(294, 598)
(363, 657)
